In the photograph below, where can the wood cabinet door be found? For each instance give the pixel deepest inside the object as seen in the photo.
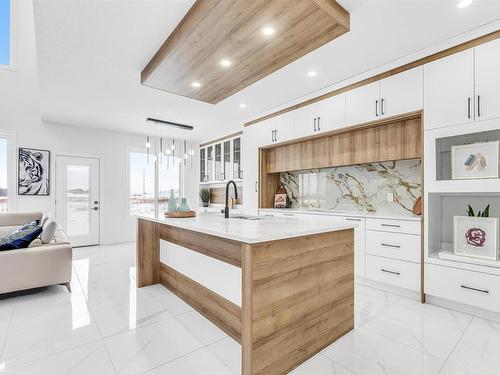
(487, 69)
(304, 120)
(331, 114)
(362, 104)
(449, 90)
(402, 93)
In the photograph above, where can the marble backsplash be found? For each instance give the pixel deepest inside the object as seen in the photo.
(362, 187)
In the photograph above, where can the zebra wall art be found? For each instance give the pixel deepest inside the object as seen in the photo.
(33, 172)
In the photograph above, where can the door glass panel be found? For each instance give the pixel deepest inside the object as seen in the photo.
(227, 160)
(218, 162)
(202, 166)
(210, 164)
(3, 175)
(237, 158)
(77, 197)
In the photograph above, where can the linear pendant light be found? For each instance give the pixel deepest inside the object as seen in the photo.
(169, 123)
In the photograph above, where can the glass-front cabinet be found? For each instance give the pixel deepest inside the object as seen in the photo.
(221, 161)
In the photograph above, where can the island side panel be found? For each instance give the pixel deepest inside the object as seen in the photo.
(148, 253)
(301, 299)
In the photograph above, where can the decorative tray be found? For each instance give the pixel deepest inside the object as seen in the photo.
(180, 214)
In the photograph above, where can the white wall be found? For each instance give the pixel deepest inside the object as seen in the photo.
(20, 118)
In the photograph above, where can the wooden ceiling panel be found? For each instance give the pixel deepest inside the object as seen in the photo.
(213, 30)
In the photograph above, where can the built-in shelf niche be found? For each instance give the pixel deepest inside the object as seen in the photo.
(444, 145)
(441, 207)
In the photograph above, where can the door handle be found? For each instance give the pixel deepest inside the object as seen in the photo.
(391, 225)
(468, 107)
(382, 106)
(376, 108)
(478, 106)
(256, 185)
(96, 208)
(391, 272)
(276, 135)
(389, 245)
(315, 124)
(272, 136)
(351, 219)
(318, 123)
(475, 289)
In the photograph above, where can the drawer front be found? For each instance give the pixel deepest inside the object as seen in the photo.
(395, 272)
(397, 226)
(393, 245)
(467, 287)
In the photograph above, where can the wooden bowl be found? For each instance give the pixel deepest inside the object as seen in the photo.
(180, 214)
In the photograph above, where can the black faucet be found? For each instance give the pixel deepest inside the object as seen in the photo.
(226, 209)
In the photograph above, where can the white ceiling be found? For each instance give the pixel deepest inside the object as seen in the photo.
(90, 55)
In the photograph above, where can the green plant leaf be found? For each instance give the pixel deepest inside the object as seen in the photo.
(486, 212)
(470, 211)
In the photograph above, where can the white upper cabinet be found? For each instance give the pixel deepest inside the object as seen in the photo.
(266, 134)
(449, 90)
(331, 113)
(487, 67)
(402, 93)
(251, 141)
(305, 120)
(283, 128)
(363, 104)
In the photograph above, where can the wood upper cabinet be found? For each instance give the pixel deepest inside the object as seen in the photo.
(487, 83)
(402, 93)
(449, 90)
(362, 104)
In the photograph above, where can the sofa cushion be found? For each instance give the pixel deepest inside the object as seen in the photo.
(48, 231)
(20, 238)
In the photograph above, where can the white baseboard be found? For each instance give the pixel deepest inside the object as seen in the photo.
(467, 309)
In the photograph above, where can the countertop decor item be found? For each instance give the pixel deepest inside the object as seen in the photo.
(172, 202)
(476, 236)
(180, 214)
(477, 160)
(280, 198)
(205, 197)
(183, 207)
(417, 206)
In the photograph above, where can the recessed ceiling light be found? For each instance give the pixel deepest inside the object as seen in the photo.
(268, 30)
(312, 73)
(243, 105)
(196, 84)
(225, 62)
(464, 3)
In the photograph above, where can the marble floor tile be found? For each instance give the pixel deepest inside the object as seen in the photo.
(366, 353)
(200, 362)
(169, 300)
(369, 302)
(6, 310)
(89, 359)
(321, 365)
(200, 327)
(150, 346)
(228, 351)
(136, 313)
(45, 336)
(415, 325)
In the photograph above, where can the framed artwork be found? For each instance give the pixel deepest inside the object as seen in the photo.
(476, 237)
(477, 160)
(33, 172)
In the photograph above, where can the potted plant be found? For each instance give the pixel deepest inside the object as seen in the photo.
(205, 197)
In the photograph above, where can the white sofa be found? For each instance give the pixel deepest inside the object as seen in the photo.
(37, 266)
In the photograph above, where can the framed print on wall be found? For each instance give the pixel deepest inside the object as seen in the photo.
(476, 237)
(33, 172)
(477, 160)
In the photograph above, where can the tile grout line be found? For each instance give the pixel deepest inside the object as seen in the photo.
(456, 345)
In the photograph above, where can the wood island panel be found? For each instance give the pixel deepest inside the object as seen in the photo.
(148, 253)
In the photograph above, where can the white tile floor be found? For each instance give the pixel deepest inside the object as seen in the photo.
(107, 326)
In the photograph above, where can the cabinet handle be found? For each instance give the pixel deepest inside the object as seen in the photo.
(256, 186)
(287, 214)
(478, 106)
(319, 118)
(351, 219)
(272, 136)
(391, 272)
(391, 225)
(376, 108)
(389, 245)
(315, 124)
(468, 107)
(276, 135)
(382, 107)
(475, 289)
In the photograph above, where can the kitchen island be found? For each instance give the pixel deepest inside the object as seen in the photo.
(282, 287)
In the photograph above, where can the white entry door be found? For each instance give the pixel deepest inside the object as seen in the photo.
(77, 199)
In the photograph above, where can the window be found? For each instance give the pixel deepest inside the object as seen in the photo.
(148, 177)
(3, 176)
(5, 32)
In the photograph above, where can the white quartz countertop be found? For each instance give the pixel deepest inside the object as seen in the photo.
(372, 215)
(252, 231)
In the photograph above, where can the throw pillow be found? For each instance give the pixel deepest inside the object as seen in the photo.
(21, 238)
(44, 220)
(36, 242)
(49, 229)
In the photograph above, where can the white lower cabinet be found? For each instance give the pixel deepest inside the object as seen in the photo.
(395, 272)
(463, 286)
(393, 245)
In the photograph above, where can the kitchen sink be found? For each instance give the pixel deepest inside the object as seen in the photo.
(246, 217)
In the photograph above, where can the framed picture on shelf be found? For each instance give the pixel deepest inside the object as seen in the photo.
(33, 175)
(476, 237)
(477, 160)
